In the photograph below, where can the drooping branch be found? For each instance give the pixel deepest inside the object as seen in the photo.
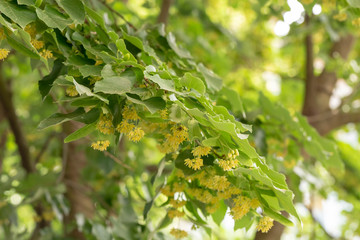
(164, 12)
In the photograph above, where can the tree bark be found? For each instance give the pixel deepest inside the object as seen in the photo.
(164, 12)
(76, 192)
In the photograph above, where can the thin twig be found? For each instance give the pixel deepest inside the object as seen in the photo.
(118, 14)
(117, 160)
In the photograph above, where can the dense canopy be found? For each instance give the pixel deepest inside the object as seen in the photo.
(160, 119)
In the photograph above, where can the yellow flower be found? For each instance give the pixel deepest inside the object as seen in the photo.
(104, 125)
(265, 224)
(37, 44)
(93, 80)
(3, 53)
(164, 114)
(172, 141)
(212, 208)
(195, 163)
(46, 54)
(136, 134)
(31, 29)
(356, 22)
(201, 151)
(177, 203)
(254, 203)
(227, 165)
(340, 17)
(125, 127)
(241, 207)
(48, 215)
(178, 233)
(100, 145)
(98, 62)
(71, 91)
(307, 1)
(173, 213)
(129, 113)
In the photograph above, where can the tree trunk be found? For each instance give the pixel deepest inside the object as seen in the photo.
(76, 192)
(164, 12)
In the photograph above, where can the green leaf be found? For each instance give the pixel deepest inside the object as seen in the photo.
(211, 142)
(90, 70)
(354, 3)
(96, 17)
(80, 133)
(133, 40)
(74, 8)
(81, 89)
(116, 84)
(26, 2)
(278, 217)
(219, 215)
(163, 83)
(172, 43)
(192, 82)
(213, 82)
(18, 14)
(153, 104)
(53, 18)
(245, 222)
(46, 83)
(233, 97)
(58, 118)
(19, 45)
(100, 232)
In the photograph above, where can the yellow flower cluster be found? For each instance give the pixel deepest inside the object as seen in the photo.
(125, 127)
(229, 192)
(340, 17)
(129, 113)
(265, 224)
(201, 151)
(37, 44)
(202, 195)
(104, 125)
(100, 145)
(307, 1)
(230, 162)
(241, 207)
(178, 233)
(356, 22)
(71, 91)
(173, 213)
(93, 80)
(172, 141)
(171, 190)
(136, 134)
(212, 207)
(164, 114)
(254, 203)
(46, 54)
(3, 53)
(31, 29)
(195, 163)
(177, 203)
